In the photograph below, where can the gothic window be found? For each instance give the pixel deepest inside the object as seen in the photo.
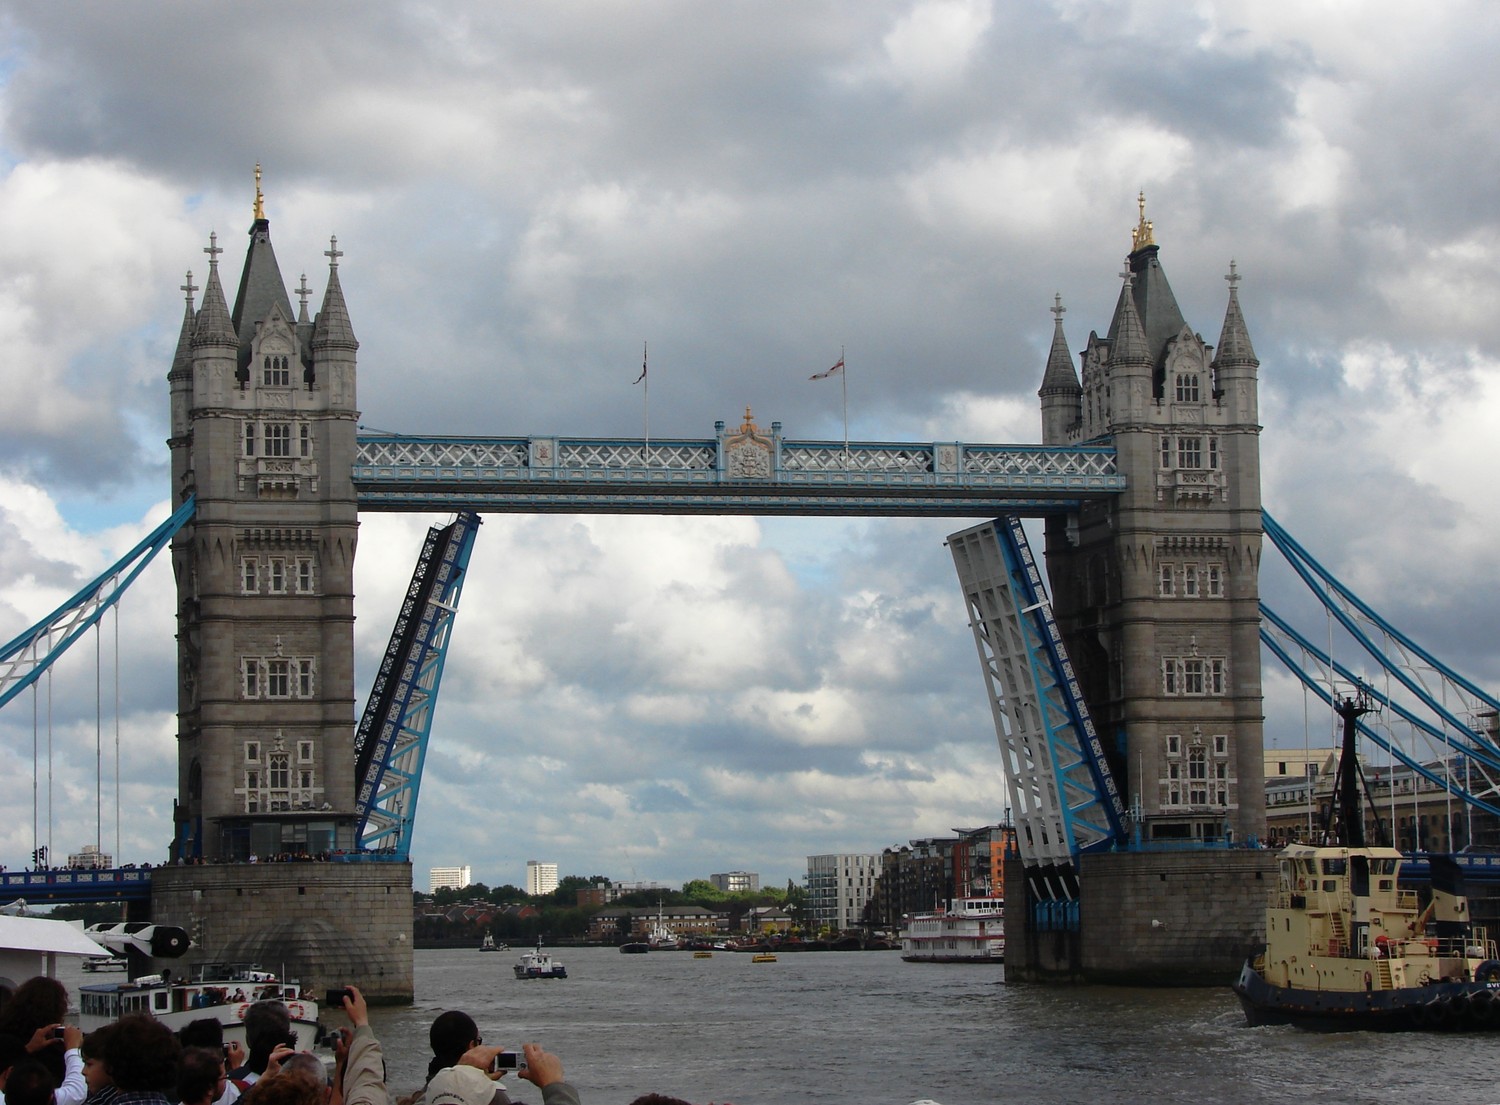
(278, 437)
(304, 432)
(1187, 387)
(1221, 748)
(278, 372)
(252, 751)
(250, 677)
(304, 680)
(1192, 675)
(304, 575)
(249, 439)
(1166, 451)
(1169, 680)
(249, 576)
(1215, 581)
(279, 775)
(1174, 745)
(1168, 586)
(1190, 580)
(305, 751)
(306, 780)
(1198, 777)
(276, 575)
(1189, 452)
(278, 679)
(252, 779)
(1213, 452)
(1216, 680)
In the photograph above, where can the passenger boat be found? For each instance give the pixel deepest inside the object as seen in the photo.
(970, 930)
(1347, 949)
(215, 990)
(539, 964)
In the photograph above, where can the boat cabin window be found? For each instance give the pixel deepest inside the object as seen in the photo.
(1330, 886)
(1334, 866)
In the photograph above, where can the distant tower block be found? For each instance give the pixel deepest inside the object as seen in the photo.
(1156, 591)
(263, 433)
(541, 878)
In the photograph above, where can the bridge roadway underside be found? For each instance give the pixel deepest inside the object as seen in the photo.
(746, 473)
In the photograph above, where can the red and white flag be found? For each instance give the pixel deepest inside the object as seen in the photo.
(834, 371)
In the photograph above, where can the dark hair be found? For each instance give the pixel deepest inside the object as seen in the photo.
(280, 1089)
(451, 1034)
(659, 1099)
(268, 1025)
(198, 1074)
(142, 1054)
(37, 1001)
(29, 1084)
(97, 1041)
(12, 1051)
(204, 1032)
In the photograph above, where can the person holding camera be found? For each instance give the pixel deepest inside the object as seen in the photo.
(359, 1065)
(470, 1080)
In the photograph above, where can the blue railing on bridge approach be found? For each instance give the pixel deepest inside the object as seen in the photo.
(102, 884)
(749, 471)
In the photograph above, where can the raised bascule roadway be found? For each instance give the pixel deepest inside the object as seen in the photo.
(1126, 702)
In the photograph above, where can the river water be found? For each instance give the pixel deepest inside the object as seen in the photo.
(864, 1028)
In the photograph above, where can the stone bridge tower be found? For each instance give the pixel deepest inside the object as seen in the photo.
(263, 434)
(1157, 590)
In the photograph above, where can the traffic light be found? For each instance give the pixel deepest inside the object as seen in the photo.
(39, 857)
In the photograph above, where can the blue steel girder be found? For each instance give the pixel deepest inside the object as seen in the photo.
(1064, 798)
(26, 657)
(746, 473)
(391, 743)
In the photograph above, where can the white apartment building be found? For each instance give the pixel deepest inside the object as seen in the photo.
(449, 878)
(838, 886)
(734, 882)
(541, 878)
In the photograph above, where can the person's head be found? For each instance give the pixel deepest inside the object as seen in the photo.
(281, 1089)
(659, 1099)
(29, 1083)
(460, 1085)
(200, 1075)
(268, 1025)
(36, 1002)
(12, 1051)
(451, 1034)
(306, 1066)
(204, 1032)
(142, 1054)
(95, 1069)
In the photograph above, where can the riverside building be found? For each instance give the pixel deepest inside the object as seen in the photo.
(838, 886)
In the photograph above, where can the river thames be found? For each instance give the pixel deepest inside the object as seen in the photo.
(864, 1028)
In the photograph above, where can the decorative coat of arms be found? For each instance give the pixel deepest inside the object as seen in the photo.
(748, 452)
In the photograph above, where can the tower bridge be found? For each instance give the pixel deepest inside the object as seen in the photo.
(1147, 477)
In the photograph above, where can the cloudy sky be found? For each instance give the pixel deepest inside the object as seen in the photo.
(525, 193)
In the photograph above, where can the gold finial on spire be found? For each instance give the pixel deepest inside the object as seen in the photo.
(748, 426)
(1141, 236)
(260, 200)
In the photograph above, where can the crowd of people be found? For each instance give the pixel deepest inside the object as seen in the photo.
(137, 1060)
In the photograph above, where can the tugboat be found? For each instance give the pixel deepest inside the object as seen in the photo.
(539, 964)
(1346, 950)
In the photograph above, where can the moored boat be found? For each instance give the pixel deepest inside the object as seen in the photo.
(488, 945)
(214, 990)
(970, 930)
(1347, 949)
(539, 964)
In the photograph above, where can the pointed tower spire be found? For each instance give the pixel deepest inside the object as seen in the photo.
(332, 329)
(1061, 378)
(214, 326)
(1234, 338)
(1127, 336)
(182, 360)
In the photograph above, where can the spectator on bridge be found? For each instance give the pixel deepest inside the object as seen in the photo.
(200, 1076)
(142, 1055)
(102, 1089)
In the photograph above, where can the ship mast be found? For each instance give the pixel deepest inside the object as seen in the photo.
(1351, 827)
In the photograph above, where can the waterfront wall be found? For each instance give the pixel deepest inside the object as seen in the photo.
(1148, 919)
(326, 924)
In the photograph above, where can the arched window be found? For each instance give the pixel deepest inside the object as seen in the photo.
(1198, 777)
(1187, 387)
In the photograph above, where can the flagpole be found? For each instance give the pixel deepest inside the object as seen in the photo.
(646, 399)
(844, 383)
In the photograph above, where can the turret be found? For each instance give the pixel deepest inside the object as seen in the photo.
(1060, 392)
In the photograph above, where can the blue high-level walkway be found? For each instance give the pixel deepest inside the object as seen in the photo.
(105, 884)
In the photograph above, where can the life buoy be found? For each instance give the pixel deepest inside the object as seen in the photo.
(296, 1010)
(240, 1010)
(1488, 971)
